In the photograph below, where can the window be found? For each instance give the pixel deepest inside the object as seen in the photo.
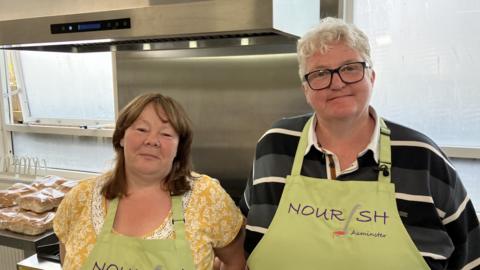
(425, 57)
(59, 107)
(63, 88)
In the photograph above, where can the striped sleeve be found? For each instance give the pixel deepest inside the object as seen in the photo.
(437, 211)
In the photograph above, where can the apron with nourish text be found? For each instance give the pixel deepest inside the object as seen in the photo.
(325, 224)
(115, 251)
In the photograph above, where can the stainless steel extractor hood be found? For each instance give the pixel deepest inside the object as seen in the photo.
(160, 25)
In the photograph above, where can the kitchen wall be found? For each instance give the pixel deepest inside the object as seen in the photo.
(232, 101)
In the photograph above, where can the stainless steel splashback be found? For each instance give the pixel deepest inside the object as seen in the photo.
(232, 101)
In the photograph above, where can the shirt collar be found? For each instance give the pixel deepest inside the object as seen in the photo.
(374, 144)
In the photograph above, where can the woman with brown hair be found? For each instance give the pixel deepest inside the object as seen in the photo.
(150, 211)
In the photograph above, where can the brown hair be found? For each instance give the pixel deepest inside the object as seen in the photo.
(176, 181)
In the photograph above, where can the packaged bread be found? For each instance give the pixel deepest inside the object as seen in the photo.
(7, 215)
(67, 186)
(31, 223)
(50, 181)
(22, 186)
(41, 201)
(9, 196)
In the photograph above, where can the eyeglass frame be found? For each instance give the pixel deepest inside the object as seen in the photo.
(336, 70)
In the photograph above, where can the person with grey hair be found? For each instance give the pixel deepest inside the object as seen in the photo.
(343, 188)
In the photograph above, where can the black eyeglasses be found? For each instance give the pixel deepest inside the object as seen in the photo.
(349, 73)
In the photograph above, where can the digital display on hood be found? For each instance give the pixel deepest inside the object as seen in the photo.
(75, 27)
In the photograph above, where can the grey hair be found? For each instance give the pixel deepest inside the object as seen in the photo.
(327, 32)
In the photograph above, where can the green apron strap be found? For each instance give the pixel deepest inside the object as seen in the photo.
(110, 217)
(302, 146)
(385, 159)
(178, 220)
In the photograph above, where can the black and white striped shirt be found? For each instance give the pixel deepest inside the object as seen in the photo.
(431, 200)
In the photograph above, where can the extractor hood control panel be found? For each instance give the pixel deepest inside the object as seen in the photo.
(76, 27)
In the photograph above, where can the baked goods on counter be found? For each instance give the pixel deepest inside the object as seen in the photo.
(31, 223)
(21, 221)
(50, 181)
(9, 196)
(29, 208)
(67, 186)
(41, 201)
(22, 187)
(7, 215)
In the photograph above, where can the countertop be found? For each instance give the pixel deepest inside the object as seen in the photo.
(33, 263)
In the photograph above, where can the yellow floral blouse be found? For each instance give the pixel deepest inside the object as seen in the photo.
(212, 220)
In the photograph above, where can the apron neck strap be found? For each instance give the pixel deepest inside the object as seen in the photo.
(385, 159)
(184, 254)
(178, 220)
(110, 218)
(302, 146)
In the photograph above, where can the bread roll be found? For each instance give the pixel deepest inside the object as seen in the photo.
(31, 223)
(22, 186)
(67, 186)
(9, 196)
(41, 201)
(50, 181)
(7, 215)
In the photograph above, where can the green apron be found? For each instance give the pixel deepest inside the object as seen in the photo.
(325, 224)
(115, 251)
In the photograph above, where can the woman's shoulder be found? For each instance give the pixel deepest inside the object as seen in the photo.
(201, 183)
(83, 189)
(208, 193)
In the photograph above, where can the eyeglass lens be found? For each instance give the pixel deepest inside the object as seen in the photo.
(349, 73)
